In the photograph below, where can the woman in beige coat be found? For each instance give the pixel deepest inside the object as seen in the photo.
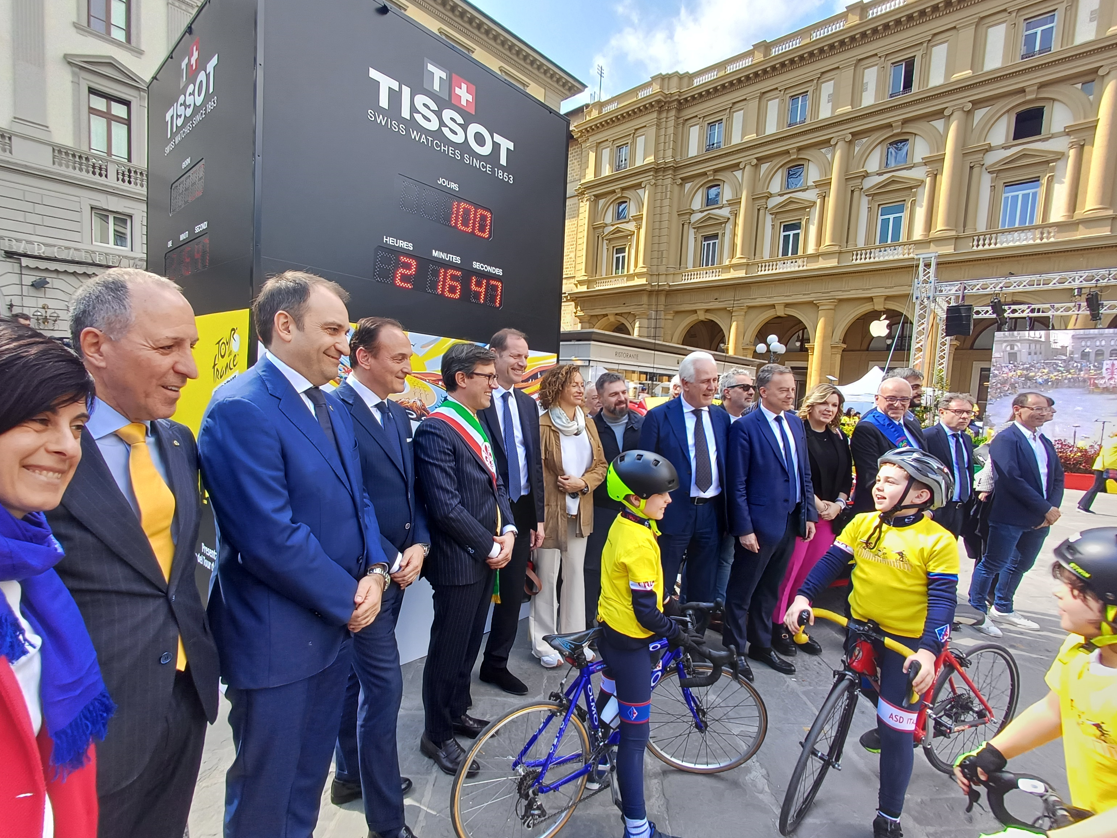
(573, 466)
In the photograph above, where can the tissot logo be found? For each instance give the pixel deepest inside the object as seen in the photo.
(462, 93)
(190, 62)
(449, 86)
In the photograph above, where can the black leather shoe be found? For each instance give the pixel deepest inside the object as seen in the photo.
(342, 792)
(505, 680)
(744, 669)
(466, 725)
(773, 660)
(448, 756)
(784, 644)
(403, 833)
(811, 647)
(405, 785)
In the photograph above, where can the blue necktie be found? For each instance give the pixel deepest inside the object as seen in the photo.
(788, 460)
(963, 489)
(389, 426)
(512, 455)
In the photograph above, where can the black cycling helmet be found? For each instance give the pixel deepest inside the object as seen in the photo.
(640, 473)
(1092, 557)
(923, 468)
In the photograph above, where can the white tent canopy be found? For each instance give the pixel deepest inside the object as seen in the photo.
(859, 394)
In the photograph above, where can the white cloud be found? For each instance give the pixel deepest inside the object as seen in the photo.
(702, 33)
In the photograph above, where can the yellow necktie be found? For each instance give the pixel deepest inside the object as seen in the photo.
(156, 502)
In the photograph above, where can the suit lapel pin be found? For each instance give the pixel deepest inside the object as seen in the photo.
(175, 441)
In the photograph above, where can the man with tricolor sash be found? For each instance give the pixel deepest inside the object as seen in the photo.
(472, 534)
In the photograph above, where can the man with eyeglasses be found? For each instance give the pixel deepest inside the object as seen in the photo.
(881, 429)
(949, 442)
(1025, 504)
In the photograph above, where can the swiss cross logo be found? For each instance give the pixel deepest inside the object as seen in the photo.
(462, 93)
(190, 62)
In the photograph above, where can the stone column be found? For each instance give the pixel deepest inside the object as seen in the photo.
(823, 334)
(1103, 160)
(952, 174)
(928, 204)
(29, 63)
(836, 216)
(745, 213)
(819, 222)
(645, 254)
(588, 259)
(835, 360)
(854, 215)
(736, 330)
(1074, 172)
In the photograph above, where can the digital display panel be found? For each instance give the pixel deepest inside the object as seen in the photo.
(187, 259)
(443, 208)
(407, 271)
(188, 187)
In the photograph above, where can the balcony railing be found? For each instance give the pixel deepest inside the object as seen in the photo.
(886, 6)
(1007, 238)
(5, 142)
(700, 274)
(709, 75)
(790, 43)
(98, 167)
(597, 283)
(882, 252)
(771, 266)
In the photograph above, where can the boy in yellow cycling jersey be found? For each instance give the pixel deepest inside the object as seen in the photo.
(1081, 706)
(905, 579)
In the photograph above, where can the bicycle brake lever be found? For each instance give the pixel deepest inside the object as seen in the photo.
(974, 797)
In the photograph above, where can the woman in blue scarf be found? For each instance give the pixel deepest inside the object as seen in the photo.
(53, 702)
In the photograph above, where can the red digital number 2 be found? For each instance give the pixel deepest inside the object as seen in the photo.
(405, 272)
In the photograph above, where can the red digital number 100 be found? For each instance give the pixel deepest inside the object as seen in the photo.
(471, 219)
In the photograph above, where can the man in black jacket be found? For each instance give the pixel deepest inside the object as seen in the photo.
(618, 426)
(881, 429)
(948, 441)
(512, 423)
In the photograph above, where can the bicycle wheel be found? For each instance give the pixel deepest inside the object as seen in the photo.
(821, 749)
(734, 723)
(500, 799)
(957, 722)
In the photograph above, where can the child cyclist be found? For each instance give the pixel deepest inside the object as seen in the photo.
(905, 579)
(630, 611)
(1081, 706)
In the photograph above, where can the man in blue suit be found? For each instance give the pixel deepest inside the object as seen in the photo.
(693, 439)
(1025, 504)
(380, 354)
(771, 502)
(301, 562)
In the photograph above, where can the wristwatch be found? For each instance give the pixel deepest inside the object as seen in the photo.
(426, 550)
(380, 569)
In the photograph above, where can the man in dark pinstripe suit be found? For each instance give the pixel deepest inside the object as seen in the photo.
(135, 331)
(472, 535)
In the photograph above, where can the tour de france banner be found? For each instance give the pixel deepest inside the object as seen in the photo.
(1075, 367)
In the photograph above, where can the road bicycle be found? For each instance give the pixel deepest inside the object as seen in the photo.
(1054, 813)
(973, 696)
(535, 762)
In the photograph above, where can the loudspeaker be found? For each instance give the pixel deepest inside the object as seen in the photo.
(959, 320)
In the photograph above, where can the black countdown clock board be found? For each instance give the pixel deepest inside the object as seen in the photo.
(344, 139)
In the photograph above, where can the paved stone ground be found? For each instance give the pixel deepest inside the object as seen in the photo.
(746, 800)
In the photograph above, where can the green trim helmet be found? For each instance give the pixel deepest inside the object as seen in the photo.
(1092, 557)
(640, 473)
(922, 468)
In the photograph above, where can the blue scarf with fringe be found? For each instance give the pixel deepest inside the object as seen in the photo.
(76, 705)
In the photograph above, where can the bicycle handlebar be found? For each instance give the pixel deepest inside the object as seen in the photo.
(1001, 783)
(719, 661)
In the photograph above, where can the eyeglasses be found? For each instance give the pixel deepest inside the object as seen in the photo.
(961, 414)
(490, 377)
(748, 388)
(895, 400)
(1037, 409)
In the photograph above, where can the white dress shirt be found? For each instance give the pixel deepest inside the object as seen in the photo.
(775, 426)
(517, 432)
(104, 422)
(299, 381)
(1039, 449)
(711, 444)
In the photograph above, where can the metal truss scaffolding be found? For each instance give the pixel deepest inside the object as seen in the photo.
(930, 347)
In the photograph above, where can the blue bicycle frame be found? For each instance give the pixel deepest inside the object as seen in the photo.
(583, 688)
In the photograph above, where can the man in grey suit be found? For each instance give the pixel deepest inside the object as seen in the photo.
(128, 524)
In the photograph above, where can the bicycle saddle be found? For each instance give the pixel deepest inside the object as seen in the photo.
(570, 646)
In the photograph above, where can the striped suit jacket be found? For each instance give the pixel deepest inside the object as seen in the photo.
(133, 614)
(461, 505)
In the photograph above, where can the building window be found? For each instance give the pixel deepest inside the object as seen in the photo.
(713, 195)
(111, 17)
(797, 109)
(621, 213)
(714, 133)
(1019, 204)
(795, 177)
(891, 227)
(112, 229)
(1039, 36)
(622, 157)
(1029, 123)
(620, 259)
(109, 126)
(896, 154)
(902, 77)
(790, 234)
(709, 250)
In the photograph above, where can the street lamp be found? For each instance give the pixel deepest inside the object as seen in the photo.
(773, 347)
(1104, 422)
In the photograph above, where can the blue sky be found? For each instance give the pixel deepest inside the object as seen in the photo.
(636, 39)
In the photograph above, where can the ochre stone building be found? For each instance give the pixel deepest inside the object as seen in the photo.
(790, 190)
